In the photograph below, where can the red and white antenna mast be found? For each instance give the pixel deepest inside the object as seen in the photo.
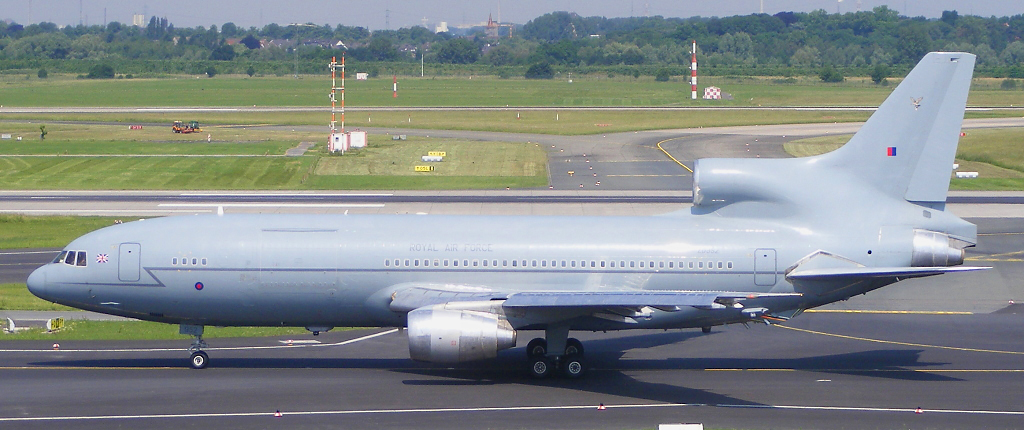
(693, 73)
(335, 90)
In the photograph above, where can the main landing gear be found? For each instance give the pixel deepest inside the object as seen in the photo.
(199, 359)
(542, 363)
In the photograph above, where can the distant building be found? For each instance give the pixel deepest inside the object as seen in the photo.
(139, 20)
(442, 27)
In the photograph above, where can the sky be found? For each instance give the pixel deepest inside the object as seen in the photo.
(392, 14)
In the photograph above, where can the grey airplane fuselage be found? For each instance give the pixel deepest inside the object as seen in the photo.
(342, 270)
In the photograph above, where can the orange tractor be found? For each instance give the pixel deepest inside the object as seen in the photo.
(181, 127)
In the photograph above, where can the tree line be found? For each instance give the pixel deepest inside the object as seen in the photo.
(784, 44)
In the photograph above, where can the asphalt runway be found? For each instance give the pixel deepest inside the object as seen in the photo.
(963, 371)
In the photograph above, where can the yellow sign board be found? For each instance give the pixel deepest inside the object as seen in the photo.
(424, 168)
(437, 154)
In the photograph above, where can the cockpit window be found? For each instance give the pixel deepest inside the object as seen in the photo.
(60, 258)
(70, 259)
(81, 259)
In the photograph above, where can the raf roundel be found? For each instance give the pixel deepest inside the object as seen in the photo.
(199, 286)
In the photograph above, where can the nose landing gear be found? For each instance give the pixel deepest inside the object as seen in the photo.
(199, 359)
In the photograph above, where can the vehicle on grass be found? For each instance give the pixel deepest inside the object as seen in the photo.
(190, 127)
(764, 240)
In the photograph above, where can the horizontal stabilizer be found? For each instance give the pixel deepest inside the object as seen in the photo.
(876, 272)
(657, 299)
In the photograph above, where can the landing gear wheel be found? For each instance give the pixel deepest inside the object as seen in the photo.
(199, 360)
(536, 348)
(573, 346)
(705, 330)
(573, 366)
(541, 367)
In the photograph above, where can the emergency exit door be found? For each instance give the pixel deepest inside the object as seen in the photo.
(764, 267)
(128, 262)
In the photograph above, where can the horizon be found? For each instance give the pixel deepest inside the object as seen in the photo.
(395, 14)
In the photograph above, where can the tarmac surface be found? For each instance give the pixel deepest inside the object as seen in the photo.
(949, 345)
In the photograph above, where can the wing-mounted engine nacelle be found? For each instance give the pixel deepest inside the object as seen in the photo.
(934, 249)
(440, 335)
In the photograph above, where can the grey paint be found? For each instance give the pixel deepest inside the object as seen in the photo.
(765, 238)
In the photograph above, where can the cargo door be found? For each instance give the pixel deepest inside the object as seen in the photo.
(764, 267)
(128, 259)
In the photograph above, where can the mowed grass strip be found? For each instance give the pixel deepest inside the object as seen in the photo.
(390, 164)
(152, 173)
(996, 154)
(17, 297)
(19, 231)
(584, 90)
(143, 330)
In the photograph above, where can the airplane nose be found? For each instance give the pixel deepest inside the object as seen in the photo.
(37, 282)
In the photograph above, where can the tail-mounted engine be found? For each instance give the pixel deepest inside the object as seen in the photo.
(440, 335)
(934, 249)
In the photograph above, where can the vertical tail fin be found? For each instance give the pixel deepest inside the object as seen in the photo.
(906, 149)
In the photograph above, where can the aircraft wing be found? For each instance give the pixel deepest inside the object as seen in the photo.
(665, 300)
(875, 272)
(412, 296)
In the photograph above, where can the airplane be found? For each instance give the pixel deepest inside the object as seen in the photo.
(764, 240)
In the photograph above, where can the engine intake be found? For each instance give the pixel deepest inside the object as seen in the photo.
(934, 249)
(440, 335)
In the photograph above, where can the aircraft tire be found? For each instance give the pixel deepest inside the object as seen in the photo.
(573, 346)
(573, 366)
(705, 330)
(541, 367)
(537, 347)
(199, 360)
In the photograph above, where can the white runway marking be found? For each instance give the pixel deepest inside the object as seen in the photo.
(286, 195)
(89, 211)
(503, 409)
(231, 348)
(273, 205)
(29, 252)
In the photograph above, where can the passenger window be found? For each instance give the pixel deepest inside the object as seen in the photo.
(573, 263)
(437, 263)
(174, 261)
(641, 264)
(671, 264)
(719, 264)
(700, 265)
(70, 259)
(661, 264)
(455, 263)
(632, 264)
(475, 262)
(534, 263)
(416, 263)
(485, 263)
(563, 263)
(543, 263)
(730, 265)
(602, 264)
(691, 265)
(494, 263)
(397, 263)
(612, 264)
(81, 258)
(446, 262)
(504, 263)
(60, 257)
(465, 263)
(203, 261)
(194, 261)
(406, 263)
(650, 264)
(513, 263)
(387, 263)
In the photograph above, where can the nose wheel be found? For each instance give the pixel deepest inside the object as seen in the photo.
(199, 360)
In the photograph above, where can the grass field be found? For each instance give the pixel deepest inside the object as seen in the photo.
(996, 154)
(588, 90)
(142, 330)
(19, 231)
(17, 297)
